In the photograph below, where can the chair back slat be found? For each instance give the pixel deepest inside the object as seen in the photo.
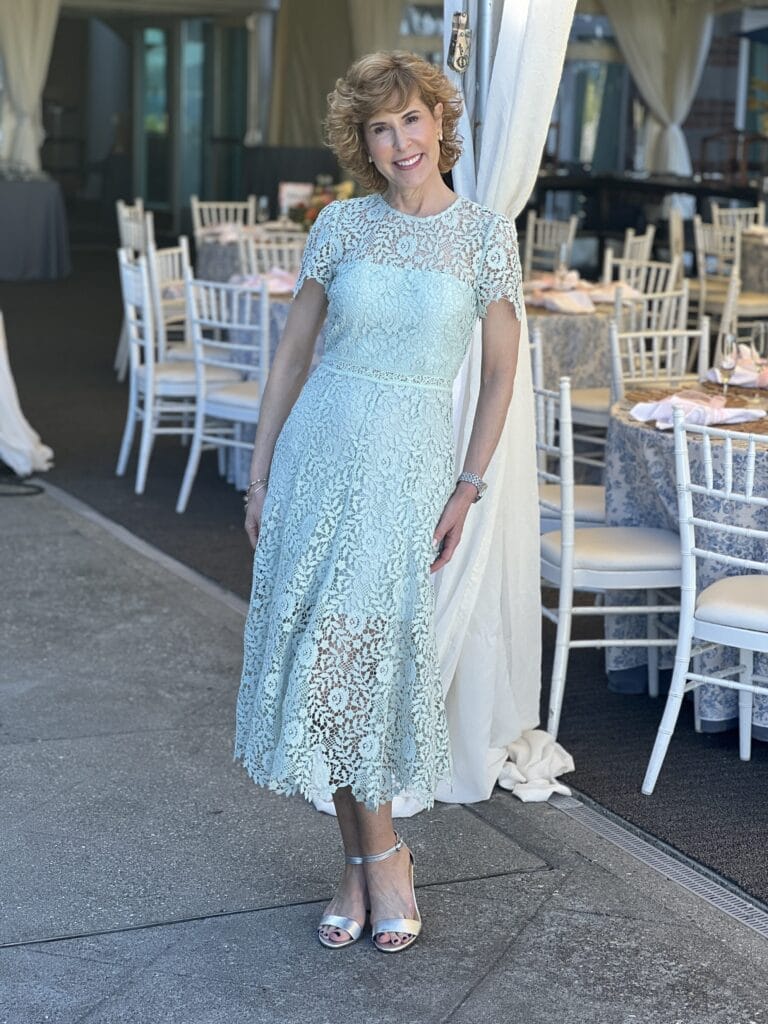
(653, 311)
(135, 226)
(742, 217)
(638, 247)
(554, 452)
(644, 276)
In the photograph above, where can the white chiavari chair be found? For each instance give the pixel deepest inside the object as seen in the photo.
(643, 275)
(229, 324)
(260, 255)
(167, 269)
(589, 499)
(732, 611)
(208, 214)
(547, 243)
(136, 229)
(591, 406)
(730, 217)
(657, 357)
(597, 560)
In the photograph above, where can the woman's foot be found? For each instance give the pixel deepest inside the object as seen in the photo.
(350, 901)
(391, 893)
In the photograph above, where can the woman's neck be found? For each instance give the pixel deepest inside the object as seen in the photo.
(423, 201)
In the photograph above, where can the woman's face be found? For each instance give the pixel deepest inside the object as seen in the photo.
(404, 144)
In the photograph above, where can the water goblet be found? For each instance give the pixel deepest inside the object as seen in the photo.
(726, 363)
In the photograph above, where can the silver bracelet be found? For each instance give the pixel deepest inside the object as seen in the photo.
(253, 487)
(476, 481)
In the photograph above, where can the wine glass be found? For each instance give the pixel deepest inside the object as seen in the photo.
(726, 363)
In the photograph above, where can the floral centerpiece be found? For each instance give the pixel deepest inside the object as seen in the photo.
(325, 192)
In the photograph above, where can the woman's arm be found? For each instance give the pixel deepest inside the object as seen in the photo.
(287, 375)
(501, 340)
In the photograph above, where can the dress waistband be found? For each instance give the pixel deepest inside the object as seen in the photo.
(416, 380)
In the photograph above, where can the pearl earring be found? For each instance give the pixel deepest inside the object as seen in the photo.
(440, 137)
(370, 159)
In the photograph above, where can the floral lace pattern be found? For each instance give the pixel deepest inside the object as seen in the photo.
(341, 685)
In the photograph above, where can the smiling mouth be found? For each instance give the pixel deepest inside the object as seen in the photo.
(410, 162)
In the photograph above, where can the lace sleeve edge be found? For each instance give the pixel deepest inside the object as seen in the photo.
(514, 295)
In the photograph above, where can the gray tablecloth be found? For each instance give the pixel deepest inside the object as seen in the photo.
(640, 491)
(217, 261)
(754, 264)
(34, 244)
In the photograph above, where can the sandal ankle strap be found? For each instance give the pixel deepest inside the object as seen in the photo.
(371, 858)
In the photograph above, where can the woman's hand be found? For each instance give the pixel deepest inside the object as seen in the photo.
(253, 511)
(449, 529)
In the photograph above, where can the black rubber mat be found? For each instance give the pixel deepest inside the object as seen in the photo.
(62, 339)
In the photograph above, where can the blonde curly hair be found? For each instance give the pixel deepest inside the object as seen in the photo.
(386, 81)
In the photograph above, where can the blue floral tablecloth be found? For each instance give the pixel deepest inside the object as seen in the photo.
(574, 345)
(640, 491)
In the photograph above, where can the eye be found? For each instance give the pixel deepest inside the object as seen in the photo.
(379, 128)
(411, 118)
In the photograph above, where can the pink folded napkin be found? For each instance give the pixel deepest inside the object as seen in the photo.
(749, 372)
(568, 302)
(606, 293)
(224, 233)
(545, 282)
(701, 409)
(279, 281)
(173, 291)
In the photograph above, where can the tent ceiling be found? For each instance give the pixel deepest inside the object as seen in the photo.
(720, 6)
(190, 8)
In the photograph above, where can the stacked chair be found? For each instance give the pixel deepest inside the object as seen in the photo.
(161, 393)
(136, 229)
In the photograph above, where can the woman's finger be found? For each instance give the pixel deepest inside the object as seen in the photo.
(450, 543)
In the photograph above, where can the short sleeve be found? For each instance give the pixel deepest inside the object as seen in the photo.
(321, 255)
(499, 274)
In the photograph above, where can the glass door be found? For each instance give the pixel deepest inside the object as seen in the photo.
(152, 106)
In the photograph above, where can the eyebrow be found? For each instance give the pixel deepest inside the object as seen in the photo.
(373, 124)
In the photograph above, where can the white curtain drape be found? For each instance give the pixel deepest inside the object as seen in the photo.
(26, 36)
(488, 597)
(665, 44)
(20, 447)
(374, 26)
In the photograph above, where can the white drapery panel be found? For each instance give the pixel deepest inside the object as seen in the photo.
(374, 26)
(488, 597)
(665, 45)
(20, 446)
(26, 37)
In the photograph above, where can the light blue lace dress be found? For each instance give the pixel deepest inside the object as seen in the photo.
(341, 685)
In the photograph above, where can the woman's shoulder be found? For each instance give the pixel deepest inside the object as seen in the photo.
(489, 220)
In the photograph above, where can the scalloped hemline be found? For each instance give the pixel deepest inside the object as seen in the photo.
(312, 793)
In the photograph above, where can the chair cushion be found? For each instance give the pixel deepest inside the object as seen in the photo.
(740, 601)
(179, 350)
(243, 393)
(183, 372)
(591, 399)
(617, 549)
(588, 501)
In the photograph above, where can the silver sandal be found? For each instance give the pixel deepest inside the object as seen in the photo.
(346, 924)
(410, 925)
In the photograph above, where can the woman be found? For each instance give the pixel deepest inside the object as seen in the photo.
(353, 501)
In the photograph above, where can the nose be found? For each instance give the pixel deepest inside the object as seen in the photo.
(398, 138)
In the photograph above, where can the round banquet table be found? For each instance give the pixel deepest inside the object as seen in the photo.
(640, 491)
(754, 262)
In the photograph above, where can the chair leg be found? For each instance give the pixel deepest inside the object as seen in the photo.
(746, 660)
(147, 440)
(653, 652)
(560, 666)
(121, 355)
(130, 427)
(671, 709)
(193, 461)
